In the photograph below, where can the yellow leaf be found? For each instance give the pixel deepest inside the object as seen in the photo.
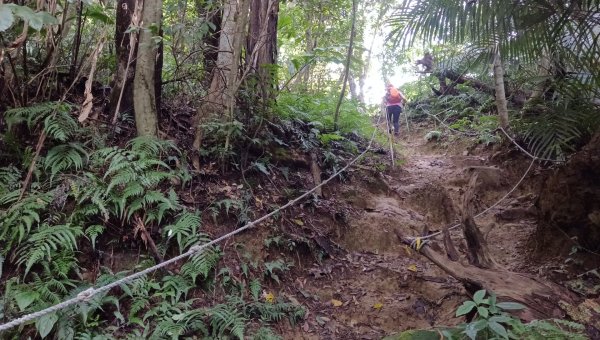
(378, 305)
(407, 250)
(412, 268)
(299, 222)
(336, 303)
(419, 245)
(269, 297)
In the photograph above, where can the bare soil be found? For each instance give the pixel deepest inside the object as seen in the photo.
(374, 285)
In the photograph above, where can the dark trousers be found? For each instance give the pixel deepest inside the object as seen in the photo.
(393, 116)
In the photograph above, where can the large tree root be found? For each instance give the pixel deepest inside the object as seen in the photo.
(542, 299)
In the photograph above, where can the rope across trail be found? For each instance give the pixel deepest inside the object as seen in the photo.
(416, 242)
(86, 295)
(91, 292)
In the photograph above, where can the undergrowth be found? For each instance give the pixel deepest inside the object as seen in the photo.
(490, 319)
(86, 197)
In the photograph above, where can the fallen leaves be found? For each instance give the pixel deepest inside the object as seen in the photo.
(336, 303)
(378, 306)
(412, 268)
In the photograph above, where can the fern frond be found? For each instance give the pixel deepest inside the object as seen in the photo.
(265, 333)
(201, 263)
(560, 131)
(60, 125)
(185, 227)
(255, 289)
(45, 241)
(35, 113)
(92, 232)
(151, 146)
(9, 179)
(227, 318)
(17, 220)
(65, 156)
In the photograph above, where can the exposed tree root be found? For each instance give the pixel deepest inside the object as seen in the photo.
(542, 299)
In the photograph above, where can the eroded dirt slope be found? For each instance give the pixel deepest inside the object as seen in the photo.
(374, 285)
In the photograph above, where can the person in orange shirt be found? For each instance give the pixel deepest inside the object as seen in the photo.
(394, 101)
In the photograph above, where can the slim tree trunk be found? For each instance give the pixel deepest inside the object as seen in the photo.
(347, 66)
(144, 90)
(501, 104)
(225, 71)
(262, 44)
(124, 75)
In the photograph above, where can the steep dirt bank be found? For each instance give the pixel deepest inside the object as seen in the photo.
(373, 285)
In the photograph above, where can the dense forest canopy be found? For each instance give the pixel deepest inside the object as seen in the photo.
(132, 131)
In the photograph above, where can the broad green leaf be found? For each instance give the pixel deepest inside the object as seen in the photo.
(262, 168)
(500, 318)
(483, 312)
(45, 324)
(465, 308)
(478, 296)
(6, 18)
(47, 18)
(498, 329)
(510, 305)
(25, 298)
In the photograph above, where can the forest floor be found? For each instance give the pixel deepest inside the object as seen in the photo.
(372, 285)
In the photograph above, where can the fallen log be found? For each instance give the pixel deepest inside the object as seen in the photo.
(517, 97)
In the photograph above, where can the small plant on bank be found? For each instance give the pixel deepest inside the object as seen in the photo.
(492, 321)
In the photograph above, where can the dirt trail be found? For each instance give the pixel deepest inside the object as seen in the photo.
(385, 287)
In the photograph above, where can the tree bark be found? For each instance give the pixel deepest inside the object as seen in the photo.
(123, 80)
(262, 44)
(225, 72)
(346, 66)
(501, 104)
(144, 84)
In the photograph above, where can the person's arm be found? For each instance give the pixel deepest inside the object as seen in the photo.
(402, 97)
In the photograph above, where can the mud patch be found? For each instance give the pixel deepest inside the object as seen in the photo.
(373, 231)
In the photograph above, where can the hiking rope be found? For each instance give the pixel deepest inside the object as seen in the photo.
(86, 295)
(418, 242)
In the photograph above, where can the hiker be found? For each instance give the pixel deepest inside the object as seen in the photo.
(394, 101)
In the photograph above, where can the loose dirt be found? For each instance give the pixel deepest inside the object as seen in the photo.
(374, 285)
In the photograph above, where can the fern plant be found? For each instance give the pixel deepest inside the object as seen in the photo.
(57, 120)
(560, 128)
(133, 175)
(65, 156)
(228, 318)
(46, 241)
(17, 218)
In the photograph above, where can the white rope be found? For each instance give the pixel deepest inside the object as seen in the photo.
(414, 239)
(91, 292)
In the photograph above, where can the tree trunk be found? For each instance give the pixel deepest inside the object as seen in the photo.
(346, 66)
(124, 75)
(225, 72)
(262, 44)
(144, 84)
(501, 104)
